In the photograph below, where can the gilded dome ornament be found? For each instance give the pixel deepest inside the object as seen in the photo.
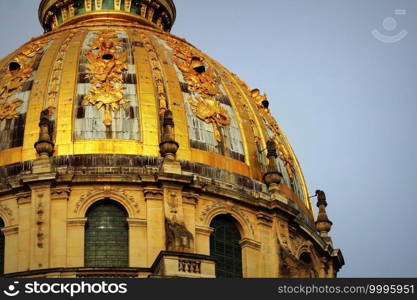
(9, 110)
(203, 82)
(13, 76)
(260, 100)
(210, 111)
(157, 74)
(106, 69)
(57, 68)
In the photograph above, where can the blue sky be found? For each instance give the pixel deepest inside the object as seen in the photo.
(346, 101)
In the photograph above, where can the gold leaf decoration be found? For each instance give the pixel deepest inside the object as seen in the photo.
(210, 111)
(259, 98)
(202, 81)
(287, 159)
(106, 69)
(57, 68)
(9, 110)
(12, 78)
(284, 151)
(157, 73)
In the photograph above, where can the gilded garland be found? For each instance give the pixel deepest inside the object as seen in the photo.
(18, 71)
(203, 82)
(261, 102)
(57, 68)
(106, 69)
(157, 73)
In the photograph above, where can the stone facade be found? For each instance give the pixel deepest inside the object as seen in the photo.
(45, 217)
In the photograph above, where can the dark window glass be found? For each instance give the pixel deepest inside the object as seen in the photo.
(106, 236)
(1, 248)
(225, 247)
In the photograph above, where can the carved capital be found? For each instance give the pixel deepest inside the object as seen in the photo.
(153, 194)
(190, 198)
(10, 230)
(137, 222)
(264, 219)
(202, 230)
(249, 243)
(77, 222)
(61, 193)
(23, 198)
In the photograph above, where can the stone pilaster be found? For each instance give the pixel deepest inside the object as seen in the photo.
(268, 259)
(251, 251)
(75, 242)
(202, 239)
(11, 243)
(137, 242)
(40, 225)
(25, 224)
(59, 209)
(156, 223)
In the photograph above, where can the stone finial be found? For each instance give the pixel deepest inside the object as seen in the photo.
(272, 177)
(323, 224)
(168, 147)
(44, 146)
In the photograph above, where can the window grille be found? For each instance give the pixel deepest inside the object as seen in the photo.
(225, 247)
(106, 236)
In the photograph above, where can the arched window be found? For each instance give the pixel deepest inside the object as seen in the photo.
(1, 248)
(225, 247)
(106, 235)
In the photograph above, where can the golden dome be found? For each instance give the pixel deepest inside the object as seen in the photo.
(106, 72)
(108, 115)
